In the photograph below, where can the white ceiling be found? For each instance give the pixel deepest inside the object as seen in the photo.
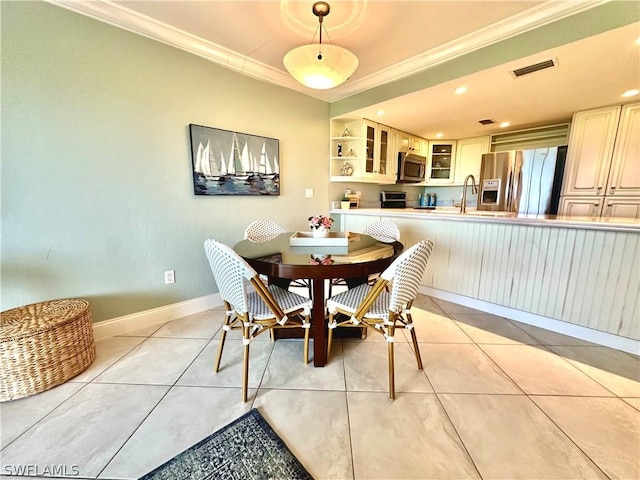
(394, 39)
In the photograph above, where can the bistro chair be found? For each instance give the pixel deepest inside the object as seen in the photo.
(383, 231)
(260, 231)
(264, 309)
(382, 310)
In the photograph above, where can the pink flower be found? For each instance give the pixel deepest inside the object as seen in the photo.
(318, 221)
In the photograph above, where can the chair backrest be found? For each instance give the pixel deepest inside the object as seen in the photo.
(262, 231)
(406, 272)
(383, 231)
(229, 271)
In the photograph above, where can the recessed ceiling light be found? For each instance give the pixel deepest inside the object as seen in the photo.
(631, 93)
(380, 113)
(461, 90)
(439, 135)
(504, 124)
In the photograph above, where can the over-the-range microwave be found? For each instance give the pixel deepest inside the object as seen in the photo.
(411, 168)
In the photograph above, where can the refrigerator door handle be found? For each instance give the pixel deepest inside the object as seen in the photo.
(514, 190)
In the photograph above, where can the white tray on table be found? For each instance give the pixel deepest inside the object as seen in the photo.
(334, 239)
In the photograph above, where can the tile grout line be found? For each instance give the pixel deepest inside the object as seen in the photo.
(464, 445)
(346, 401)
(158, 402)
(568, 436)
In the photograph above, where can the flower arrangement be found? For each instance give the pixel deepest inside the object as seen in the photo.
(318, 221)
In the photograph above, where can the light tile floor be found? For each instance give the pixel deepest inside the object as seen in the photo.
(497, 399)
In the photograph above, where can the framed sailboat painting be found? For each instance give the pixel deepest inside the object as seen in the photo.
(233, 163)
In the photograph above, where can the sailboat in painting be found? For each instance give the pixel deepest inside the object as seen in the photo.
(203, 162)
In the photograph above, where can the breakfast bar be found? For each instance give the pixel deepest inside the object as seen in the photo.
(577, 276)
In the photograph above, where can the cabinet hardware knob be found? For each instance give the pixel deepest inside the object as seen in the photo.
(609, 205)
(599, 188)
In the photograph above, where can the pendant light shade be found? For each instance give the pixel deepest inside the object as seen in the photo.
(336, 64)
(320, 66)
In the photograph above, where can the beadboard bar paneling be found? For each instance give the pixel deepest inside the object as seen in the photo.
(587, 277)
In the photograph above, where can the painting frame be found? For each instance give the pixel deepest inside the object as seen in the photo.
(226, 162)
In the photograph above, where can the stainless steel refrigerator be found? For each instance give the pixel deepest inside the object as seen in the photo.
(522, 181)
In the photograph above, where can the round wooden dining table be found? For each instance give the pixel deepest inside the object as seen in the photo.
(283, 262)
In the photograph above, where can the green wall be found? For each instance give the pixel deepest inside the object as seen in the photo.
(97, 198)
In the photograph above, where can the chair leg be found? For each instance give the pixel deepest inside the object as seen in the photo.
(306, 341)
(245, 374)
(392, 383)
(223, 336)
(329, 338)
(416, 349)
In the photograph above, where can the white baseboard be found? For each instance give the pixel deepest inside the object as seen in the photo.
(147, 318)
(577, 331)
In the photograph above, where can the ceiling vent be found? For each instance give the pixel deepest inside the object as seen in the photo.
(486, 121)
(518, 72)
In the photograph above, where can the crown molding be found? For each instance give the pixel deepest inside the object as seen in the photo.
(121, 17)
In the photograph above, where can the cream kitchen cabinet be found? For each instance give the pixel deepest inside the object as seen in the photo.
(621, 207)
(379, 148)
(441, 162)
(603, 162)
(594, 206)
(361, 151)
(411, 144)
(589, 152)
(603, 156)
(624, 177)
(586, 206)
(468, 158)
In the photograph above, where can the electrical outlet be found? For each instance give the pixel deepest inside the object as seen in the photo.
(308, 193)
(169, 277)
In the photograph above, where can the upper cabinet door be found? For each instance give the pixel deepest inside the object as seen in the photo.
(590, 150)
(370, 147)
(411, 144)
(469, 157)
(383, 151)
(624, 178)
(441, 162)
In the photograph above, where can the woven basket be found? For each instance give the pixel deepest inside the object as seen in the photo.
(43, 345)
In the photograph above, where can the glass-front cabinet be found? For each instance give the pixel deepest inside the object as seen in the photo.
(370, 147)
(361, 151)
(440, 163)
(378, 151)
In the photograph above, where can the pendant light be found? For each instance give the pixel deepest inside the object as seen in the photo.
(320, 66)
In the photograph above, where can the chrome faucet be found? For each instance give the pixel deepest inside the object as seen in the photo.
(474, 189)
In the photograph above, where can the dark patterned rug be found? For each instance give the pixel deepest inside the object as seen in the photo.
(247, 448)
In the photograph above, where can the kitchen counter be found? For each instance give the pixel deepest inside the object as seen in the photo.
(473, 215)
(577, 276)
